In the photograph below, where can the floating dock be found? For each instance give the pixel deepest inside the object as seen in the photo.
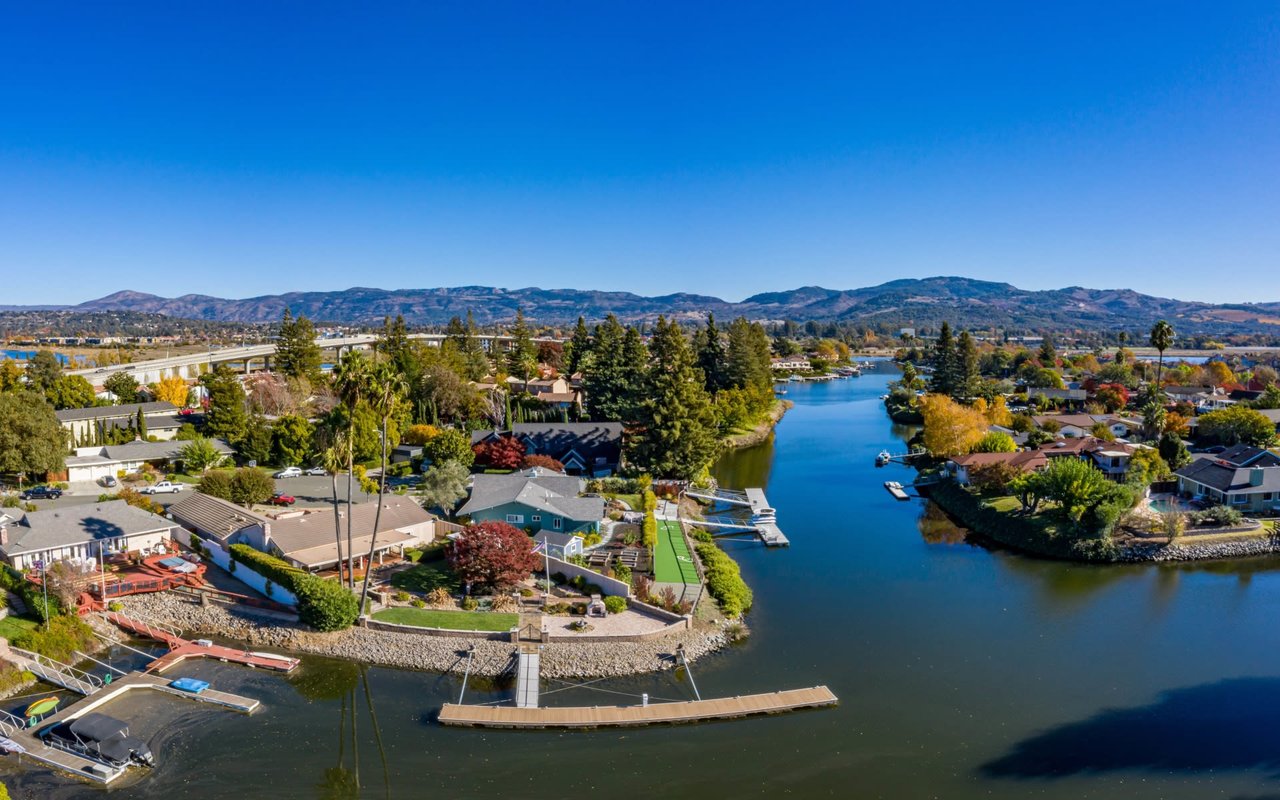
(763, 522)
(181, 649)
(896, 490)
(724, 708)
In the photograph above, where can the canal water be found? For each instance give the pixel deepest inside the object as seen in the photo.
(963, 672)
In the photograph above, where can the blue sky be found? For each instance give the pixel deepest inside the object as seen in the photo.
(722, 148)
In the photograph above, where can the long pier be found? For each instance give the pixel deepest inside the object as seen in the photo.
(723, 708)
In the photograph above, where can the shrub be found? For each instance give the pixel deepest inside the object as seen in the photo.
(649, 530)
(322, 604)
(470, 604)
(503, 602)
(439, 596)
(526, 592)
(401, 596)
(64, 635)
(116, 606)
(1222, 516)
(418, 602)
(592, 540)
(622, 572)
(615, 605)
(31, 594)
(10, 501)
(724, 580)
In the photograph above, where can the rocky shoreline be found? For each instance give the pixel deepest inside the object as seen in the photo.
(414, 651)
(1200, 551)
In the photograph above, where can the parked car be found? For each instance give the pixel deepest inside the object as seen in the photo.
(108, 481)
(318, 471)
(163, 487)
(42, 493)
(289, 472)
(282, 499)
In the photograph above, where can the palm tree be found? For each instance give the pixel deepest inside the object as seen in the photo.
(350, 384)
(333, 458)
(386, 386)
(1161, 339)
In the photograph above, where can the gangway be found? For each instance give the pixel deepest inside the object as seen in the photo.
(762, 523)
(730, 496)
(55, 672)
(528, 675)
(11, 723)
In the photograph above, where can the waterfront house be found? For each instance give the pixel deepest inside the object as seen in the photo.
(560, 545)
(1243, 477)
(80, 533)
(791, 364)
(535, 499)
(307, 541)
(214, 519)
(963, 467)
(584, 448)
(1075, 426)
(84, 424)
(94, 463)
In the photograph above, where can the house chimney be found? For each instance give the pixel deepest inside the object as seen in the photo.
(1255, 476)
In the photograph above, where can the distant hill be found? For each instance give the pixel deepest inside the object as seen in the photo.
(900, 303)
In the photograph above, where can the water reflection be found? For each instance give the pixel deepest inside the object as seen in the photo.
(324, 680)
(937, 528)
(1229, 725)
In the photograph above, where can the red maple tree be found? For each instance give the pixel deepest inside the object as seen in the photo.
(505, 452)
(492, 554)
(546, 462)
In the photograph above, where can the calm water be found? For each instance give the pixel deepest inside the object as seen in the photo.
(963, 673)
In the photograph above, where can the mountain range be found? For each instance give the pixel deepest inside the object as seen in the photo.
(924, 302)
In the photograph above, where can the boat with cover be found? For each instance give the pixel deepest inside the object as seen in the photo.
(101, 738)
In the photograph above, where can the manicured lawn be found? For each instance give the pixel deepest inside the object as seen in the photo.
(426, 576)
(452, 620)
(632, 500)
(672, 561)
(13, 625)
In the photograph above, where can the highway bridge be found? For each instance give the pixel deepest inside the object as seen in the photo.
(192, 365)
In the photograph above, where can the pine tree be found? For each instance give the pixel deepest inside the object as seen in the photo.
(676, 435)
(579, 348)
(522, 358)
(1047, 356)
(969, 378)
(945, 369)
(394, 342)
(226, 417)
(475, 362)
(635, 360)
(711, 356)
(297, 354)
(605, 382)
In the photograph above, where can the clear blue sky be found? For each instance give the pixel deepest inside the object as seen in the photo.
(725, 148)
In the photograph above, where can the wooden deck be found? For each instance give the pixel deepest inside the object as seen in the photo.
(631, 716)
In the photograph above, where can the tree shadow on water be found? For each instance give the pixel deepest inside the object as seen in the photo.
(1229, 725)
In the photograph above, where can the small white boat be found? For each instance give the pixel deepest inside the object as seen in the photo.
(883, 458)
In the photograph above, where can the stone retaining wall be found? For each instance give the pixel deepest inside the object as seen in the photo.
(1260, 546)
(493, 636)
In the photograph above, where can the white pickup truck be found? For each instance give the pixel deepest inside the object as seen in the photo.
(163, 487)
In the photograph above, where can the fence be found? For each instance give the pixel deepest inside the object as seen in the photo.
(610, 587)
(248, 577)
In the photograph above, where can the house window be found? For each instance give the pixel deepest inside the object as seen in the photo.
(1239, 499)
(515, 519)
(536, 518)
(556, 523)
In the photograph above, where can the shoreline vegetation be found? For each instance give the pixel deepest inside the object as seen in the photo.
(761, 431)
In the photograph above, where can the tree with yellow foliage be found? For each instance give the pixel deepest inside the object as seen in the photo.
(950, 429)
(172, 389)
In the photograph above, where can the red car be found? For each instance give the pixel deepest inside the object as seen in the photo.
(282, 499)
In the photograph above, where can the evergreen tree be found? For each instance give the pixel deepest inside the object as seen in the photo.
(709, 348)
(297, 354)
(606, 381)
(969, 377)
(32, 441)
(394, 343)
(43, 371)
(522, 358)
(945, 368)
(1047, 355)
(635, 359)
(676, 435)
(141, 424)
(254, 442)
(579, 348)
(226, 416)
(123, 386)
(475, 363)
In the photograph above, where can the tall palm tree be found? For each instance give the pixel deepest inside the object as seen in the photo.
(333, 458)
(350, 384)
(1161, 339)
(386, 386)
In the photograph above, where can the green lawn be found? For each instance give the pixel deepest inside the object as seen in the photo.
(672, 561)
(426, 576)
(13, 625)
(632, 500)
(452, 620)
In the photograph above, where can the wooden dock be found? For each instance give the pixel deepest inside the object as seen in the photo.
(181, 649)
(896, 490)
(723, 708)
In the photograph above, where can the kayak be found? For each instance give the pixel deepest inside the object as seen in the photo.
(42, 706)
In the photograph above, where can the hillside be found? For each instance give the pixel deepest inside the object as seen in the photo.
(899, 303)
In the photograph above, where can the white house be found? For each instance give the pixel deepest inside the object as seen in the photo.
(792, 363)
(79, 533)
(162, 419)
(93, 463)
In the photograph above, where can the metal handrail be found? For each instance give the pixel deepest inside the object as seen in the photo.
(11, 723)
(62, 674)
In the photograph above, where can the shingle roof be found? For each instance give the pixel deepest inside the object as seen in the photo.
(214, 515)
(309, 538)
(1226, 478)
(537, 489)
(106, 412)
(1243, 455)
(590, 440)
(70, 525)
(155, 451)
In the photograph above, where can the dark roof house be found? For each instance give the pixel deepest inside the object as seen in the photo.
(585, 448)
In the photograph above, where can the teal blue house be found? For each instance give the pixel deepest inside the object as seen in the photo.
(535, 500)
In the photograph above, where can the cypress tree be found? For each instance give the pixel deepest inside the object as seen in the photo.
(945, 369)
(522, 358)
(970, 378)
(141, 425)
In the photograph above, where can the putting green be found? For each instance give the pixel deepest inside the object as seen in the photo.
(673, 563)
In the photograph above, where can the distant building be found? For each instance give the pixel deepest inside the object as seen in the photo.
(791, 363)
(83, 423)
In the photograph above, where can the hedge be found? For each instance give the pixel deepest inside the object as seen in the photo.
(322, 604)
(724, 580)
(31, 594)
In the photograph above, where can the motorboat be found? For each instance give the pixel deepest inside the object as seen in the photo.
(883, 458)
(100, 738)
